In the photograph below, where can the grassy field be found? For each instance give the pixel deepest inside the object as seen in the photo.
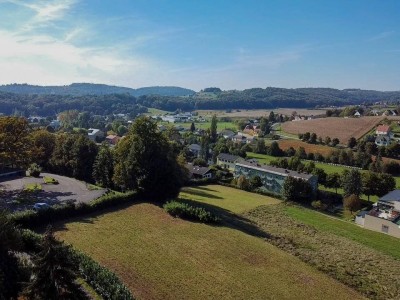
(340, 128)
(309, 148)
(257, 113)
(161, 257)
(383, 243)
(204, 125)
(236, 201)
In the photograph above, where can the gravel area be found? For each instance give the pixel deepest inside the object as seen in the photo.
(67, 189)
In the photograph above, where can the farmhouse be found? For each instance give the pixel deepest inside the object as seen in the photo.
(272, 177)
(385, 216)
(227, 161)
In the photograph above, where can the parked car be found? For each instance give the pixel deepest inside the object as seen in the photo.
(40, 206)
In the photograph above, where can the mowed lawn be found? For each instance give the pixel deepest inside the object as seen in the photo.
(161, 257)
(234, 200)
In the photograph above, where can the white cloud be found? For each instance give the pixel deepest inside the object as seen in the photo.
(382, 36)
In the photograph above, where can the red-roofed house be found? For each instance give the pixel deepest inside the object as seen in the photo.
(112, 139)
(383, 130)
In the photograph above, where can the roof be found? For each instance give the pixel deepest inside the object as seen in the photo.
(393, 196)
(382, 138)
(275, 170)
(228, 157)
(239, 136)
(112, 136)
(197, 170)
(227, 132)
(195, 147)
(92, 131)
(383, 128)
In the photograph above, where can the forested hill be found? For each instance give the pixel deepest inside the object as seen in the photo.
(105, 102)
(81, 89)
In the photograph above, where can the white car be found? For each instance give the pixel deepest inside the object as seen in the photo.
(39, 206)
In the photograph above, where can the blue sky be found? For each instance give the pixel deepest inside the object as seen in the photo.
(196, 44)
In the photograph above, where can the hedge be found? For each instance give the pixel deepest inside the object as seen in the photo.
(32, 219)
(102, 280)
(190, 212)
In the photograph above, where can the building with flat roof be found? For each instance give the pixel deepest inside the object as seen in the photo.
(272, 177)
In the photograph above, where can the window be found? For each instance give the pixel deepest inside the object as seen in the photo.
(385, 228)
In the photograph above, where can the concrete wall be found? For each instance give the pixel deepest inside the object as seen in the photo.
(376, 224)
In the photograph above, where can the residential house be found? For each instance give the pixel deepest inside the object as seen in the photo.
(385, 215)
(272, 178)
(195, 149)
(383, 130)
(95, 134)
(227, 161)
(197, 172)
(382, 140)
(239, 139)
(113, 139)
(227, 134)
(357, 114)
(252, 129)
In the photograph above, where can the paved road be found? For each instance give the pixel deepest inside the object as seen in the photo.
(67, 189)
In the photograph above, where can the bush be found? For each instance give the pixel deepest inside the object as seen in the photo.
(50, 180)
(190, 212)
(34, 170)
(352, 203)
(32, 219)
(318, 204)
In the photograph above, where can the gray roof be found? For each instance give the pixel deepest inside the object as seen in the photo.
(275, 170)
(228, 157)
(391, 196)
(197, 170)
(195, 147)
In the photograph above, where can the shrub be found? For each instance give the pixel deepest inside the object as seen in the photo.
(50, 180)
(318, 204)
(34, 170)
(352, 203)
(33, 187)
(190, 212)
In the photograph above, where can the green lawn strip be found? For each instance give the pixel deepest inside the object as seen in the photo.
(384, 243)
(234, 200)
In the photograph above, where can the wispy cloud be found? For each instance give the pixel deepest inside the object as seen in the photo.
(382, 36)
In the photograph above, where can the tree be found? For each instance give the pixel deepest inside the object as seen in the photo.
(199, 162)
(54, 272)
(296, 189)
(351, 182)
(327, 140)
(352, 142)
(352, 203)
(43, 143)
(192, 127)
(15, 142)
(386, 183)
(10, 240)
(335, 142)
(103, 167)
(213, 129)
(322, 177)
(306, 136)
(301, 153)
(333, 181)
(145, 162)
(271, 117)
(264, 126)
(369, 183)
(274, 149)
(313, 138)
(121, 130)
(243, 183)
(260, 147)
(256, 182)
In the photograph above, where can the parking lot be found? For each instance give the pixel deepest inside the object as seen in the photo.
(13, 195)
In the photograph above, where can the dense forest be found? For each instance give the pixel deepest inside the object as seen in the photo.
(81, 89)
(98, 101)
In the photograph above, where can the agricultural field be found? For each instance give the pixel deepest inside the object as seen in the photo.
(203, 125)
(340, 128)
(309, 148)
(161, 257)
(258, 113)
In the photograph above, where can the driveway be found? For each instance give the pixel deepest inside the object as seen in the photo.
(68, 189)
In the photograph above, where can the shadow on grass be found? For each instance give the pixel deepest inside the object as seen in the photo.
(199, 191)
(229, 219)
(203, 188)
